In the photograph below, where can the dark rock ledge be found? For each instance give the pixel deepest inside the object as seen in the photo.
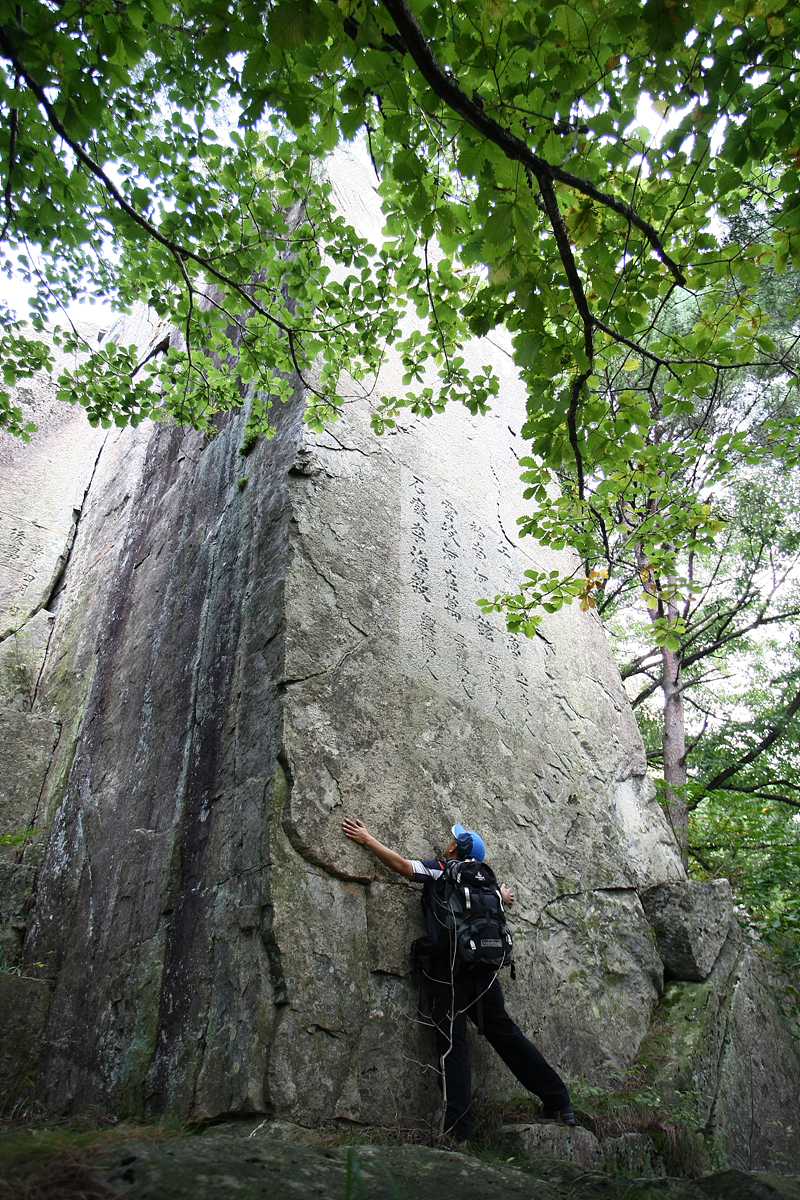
(274, 1160)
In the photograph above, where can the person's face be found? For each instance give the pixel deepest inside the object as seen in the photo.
(452, 849)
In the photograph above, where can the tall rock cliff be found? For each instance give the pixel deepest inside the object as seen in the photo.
(210, 660)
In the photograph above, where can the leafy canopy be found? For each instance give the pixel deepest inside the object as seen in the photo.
(504, 135)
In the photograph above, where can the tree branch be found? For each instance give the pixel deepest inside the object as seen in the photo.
(695, 741)
(766, 742)
(761, 795)
(738, 633)
(178, 251)
(634, 667)
(12, 158)
(447, 89)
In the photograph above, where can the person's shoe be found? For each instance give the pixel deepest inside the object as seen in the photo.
(565, 1115)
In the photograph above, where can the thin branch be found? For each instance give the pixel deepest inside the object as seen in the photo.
(113, 191)
(761, 795)
(446, 88)
(12, 158)
(669, 363)
(635, 667)
(646, 693)
(765, 744)
(758, 623)
(705, 865)
(696, 741)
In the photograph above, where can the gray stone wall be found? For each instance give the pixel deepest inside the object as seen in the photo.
(406, 707)
(725, 1048)
(42, 487)
(235, 666)
(167, 657)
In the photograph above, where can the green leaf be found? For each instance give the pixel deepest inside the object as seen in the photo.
(295, 23)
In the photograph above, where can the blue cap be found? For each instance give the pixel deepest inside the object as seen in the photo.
(470, 845)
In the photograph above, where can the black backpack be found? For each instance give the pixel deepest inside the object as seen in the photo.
(466, 918)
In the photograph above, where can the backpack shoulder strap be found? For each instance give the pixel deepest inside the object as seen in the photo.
(429, 904)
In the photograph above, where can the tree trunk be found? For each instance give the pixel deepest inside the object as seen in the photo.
(673, 745)
(673, 730)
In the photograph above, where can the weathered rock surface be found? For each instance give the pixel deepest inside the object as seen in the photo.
(210, 1168)
(632, 1153)
(23, 1014)
(598, 978)
(723, 1045)
(27, 742)
(42, 485)
(22, 657)
(575, 1145)
(690, 920)
(221, 1163)
(157, 867)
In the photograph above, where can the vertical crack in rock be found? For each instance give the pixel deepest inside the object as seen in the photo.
(43, 789)
(52, 589)
(710, 1130)
(280, 991)
(501, 524)
(60, 573)
(332, 585)
(40, 673)
(31, 739)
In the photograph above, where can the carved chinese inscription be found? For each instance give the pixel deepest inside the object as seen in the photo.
(449, 560)
(28, 556)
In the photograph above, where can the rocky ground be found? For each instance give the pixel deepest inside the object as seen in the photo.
(268, 1160)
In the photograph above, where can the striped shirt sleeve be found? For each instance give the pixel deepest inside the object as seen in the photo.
(430, 868)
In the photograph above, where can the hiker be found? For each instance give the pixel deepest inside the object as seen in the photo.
(459, 991)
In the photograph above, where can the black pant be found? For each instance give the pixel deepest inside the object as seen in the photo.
(453, 1001)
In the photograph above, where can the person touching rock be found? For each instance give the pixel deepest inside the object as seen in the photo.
(459, 993)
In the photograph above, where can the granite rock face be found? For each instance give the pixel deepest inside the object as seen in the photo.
(576, 1145)
(690, 920)
(42, 486)
(632, 1153)
(723, 1045)
(265, 1167)
(599, 976)
(236, 666)
(166, 660)
(243, 651)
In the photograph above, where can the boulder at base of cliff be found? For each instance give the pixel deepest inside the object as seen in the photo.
(690, 919)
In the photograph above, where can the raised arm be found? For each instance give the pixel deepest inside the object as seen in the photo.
(358, 832)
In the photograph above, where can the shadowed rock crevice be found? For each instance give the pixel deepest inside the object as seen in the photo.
(725, 1014)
